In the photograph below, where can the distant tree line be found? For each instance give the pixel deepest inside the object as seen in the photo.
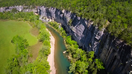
(81, 62)
(115, 15)
(18, 63)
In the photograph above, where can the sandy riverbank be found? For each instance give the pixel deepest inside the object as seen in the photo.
(51, 55)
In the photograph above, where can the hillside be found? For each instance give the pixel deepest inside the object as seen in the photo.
(117, 12)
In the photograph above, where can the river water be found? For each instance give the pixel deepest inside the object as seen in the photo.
(61, 62)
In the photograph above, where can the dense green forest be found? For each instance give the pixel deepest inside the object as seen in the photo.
(114, 15)
(19, 64)
(81, 62)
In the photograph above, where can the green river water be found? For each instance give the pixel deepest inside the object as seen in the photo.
(61, 62)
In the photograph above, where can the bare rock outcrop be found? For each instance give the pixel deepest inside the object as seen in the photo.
(115, 54)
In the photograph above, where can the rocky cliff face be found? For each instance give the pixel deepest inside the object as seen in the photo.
(18, 8)
(115, 54)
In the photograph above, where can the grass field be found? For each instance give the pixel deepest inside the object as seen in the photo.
(9, 29)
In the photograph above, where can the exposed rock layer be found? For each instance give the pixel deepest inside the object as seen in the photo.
(115, 54)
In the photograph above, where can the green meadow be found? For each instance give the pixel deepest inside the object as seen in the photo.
(9, 29)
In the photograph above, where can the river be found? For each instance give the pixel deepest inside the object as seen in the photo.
(61, 62)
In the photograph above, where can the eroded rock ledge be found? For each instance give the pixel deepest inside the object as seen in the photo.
(115, 54)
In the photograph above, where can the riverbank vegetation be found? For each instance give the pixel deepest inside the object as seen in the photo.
(19, 63)
(81, 62)
(117, 12)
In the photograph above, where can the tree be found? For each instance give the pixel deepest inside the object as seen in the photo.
(81, 67)
(20, 43)
(72, 68)
(41, 67)
(90, 56)
(14, 10)
(78, 53)
(99, 64)
(13, 66)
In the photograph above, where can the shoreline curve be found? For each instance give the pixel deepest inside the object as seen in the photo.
(51, 55)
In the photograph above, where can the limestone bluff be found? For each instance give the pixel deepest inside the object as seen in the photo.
(114, 53)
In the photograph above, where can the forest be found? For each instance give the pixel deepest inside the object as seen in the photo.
(114, 15)
(18, 63)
